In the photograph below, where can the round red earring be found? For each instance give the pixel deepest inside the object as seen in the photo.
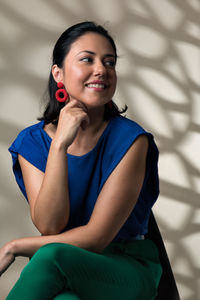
(61, 94)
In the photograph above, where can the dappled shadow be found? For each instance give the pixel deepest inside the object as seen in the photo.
(157, 43)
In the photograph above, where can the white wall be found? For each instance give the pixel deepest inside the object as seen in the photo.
(159, 78)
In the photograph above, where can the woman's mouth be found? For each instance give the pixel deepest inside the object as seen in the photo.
(99, 86)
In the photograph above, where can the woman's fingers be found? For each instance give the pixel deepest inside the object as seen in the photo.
(6, 258)
(72, 116)
(76, 103)
(82, 106)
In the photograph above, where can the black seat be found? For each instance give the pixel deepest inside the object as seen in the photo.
(167, 289)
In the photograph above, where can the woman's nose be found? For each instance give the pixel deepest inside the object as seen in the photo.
(99, 69)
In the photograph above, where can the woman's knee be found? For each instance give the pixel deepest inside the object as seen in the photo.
(49, 252)
(56, 256)
(57, 252)
(45, 259)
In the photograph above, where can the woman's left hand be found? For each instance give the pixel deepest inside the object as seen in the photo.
(7, 257)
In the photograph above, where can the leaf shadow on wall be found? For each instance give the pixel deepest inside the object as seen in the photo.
(141, 68)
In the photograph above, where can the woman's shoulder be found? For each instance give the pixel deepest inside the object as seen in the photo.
(34, 128)
(30, 144)
(29, 133)
(121, 134)
(122, 126)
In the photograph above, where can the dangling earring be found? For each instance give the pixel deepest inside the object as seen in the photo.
(61, 94)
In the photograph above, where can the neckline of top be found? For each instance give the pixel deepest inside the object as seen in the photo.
(86, 154)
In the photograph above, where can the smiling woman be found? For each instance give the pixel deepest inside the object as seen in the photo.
(91, 65)
(90, 177)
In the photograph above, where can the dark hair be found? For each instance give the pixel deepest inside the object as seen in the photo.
(61, 49)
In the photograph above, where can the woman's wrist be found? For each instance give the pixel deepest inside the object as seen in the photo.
(16, 248)
(10, 248)
(13, 247)
(58, 146)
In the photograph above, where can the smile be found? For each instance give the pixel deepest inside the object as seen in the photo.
(96, 85)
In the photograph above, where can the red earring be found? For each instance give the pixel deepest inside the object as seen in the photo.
(61, 94)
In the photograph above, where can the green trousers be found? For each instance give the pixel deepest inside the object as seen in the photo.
(124, 270)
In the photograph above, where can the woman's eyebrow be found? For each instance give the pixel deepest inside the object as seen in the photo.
(93, 53)
(87, 51)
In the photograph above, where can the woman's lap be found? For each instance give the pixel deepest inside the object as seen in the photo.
(122, 271)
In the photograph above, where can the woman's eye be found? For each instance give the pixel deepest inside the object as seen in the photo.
(110, 63)
(86, 59)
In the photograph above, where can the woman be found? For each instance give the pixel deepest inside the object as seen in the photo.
(90, 177)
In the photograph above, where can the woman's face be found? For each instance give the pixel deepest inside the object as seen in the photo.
(89, 72)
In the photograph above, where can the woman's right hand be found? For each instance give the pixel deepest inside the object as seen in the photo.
(7, 257)
(72, 116)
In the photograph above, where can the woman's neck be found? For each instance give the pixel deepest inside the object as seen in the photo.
(88, 137)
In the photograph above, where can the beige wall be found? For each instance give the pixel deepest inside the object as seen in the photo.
(158, 79)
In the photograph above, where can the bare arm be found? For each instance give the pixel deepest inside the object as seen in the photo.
(113, 206)
(48, 193)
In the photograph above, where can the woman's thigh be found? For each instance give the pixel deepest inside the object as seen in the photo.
(110, 275)
(71, 272)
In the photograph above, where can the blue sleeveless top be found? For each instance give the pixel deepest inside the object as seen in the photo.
(88, 173)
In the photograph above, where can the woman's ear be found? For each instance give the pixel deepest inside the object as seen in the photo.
(57, 73)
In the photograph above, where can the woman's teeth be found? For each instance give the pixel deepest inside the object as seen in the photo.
(95, 85)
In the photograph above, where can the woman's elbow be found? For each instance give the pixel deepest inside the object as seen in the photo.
(49, 229)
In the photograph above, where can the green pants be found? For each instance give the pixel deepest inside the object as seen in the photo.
(124, 270)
